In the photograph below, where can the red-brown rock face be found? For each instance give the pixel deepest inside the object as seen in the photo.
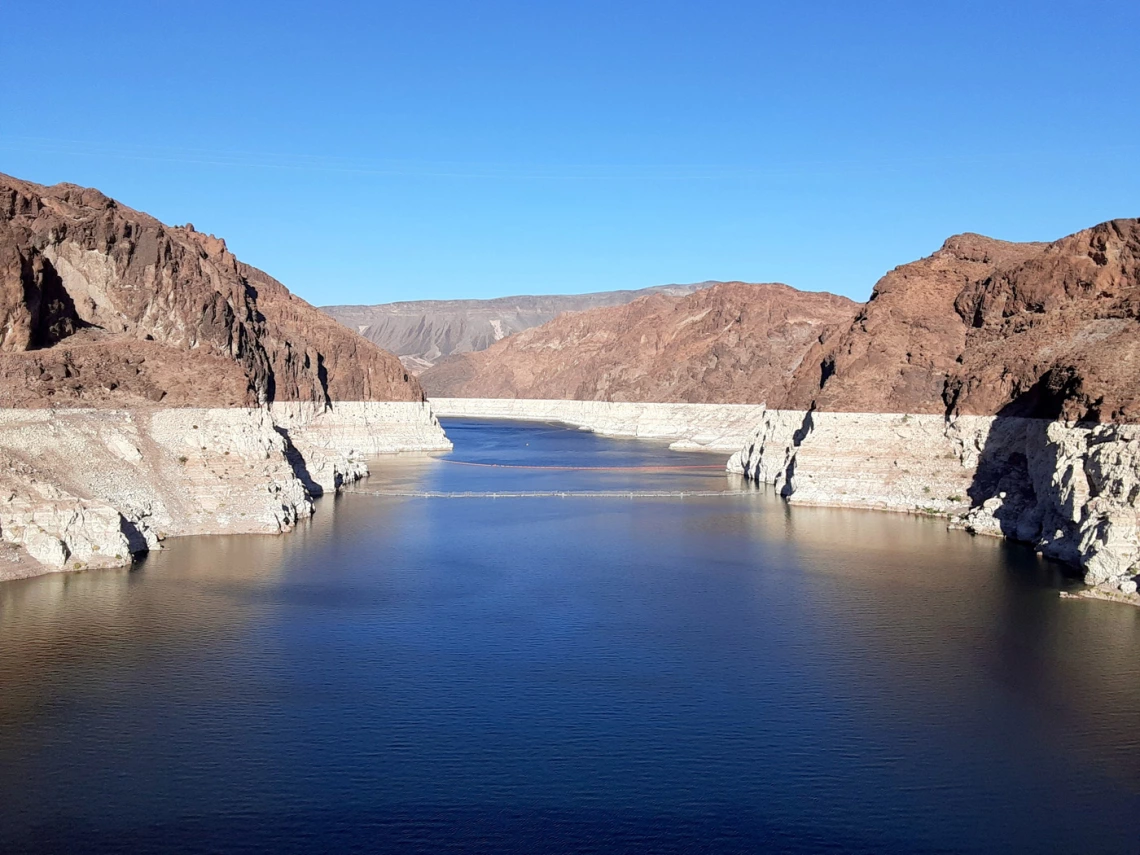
(980, 327)
(899, 349)
(732, 343)
(985, 327)
(1058, 334)
(101, 305)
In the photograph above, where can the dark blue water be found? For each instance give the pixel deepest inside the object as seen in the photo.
(721, 674)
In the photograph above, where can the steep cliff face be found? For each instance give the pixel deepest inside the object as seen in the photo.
(992, 383)
(1071, 490)
(88, 280)
(154, 385)
(1057, 335)
(984, 327)
(896, 353)
(732, 343)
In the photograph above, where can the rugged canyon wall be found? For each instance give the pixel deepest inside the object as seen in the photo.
(994, 383)
(733, 343)
(154, 385)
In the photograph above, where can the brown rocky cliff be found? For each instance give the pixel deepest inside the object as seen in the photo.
(899, 349)
(103, 305)
(1057, 335)
(986, 327)
(732, 343)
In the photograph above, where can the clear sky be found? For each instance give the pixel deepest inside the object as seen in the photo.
(367, 152)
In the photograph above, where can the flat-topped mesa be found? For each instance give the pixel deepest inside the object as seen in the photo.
(731, 343)
(991, 382)
(154, 385)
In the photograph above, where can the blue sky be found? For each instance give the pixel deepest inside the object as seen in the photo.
(367, 152)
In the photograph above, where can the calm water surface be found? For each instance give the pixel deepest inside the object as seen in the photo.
(720, 674)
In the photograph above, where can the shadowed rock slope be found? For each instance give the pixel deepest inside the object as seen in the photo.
(731, 343)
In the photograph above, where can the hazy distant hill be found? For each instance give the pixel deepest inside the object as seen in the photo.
(421, 332)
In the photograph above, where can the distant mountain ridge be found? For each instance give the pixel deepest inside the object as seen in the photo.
(979, 327)
(421, 332)
(733, 343)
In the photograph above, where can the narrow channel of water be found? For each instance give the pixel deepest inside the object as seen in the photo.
(653, 674)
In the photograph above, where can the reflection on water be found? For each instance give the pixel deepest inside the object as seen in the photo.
(709, 674)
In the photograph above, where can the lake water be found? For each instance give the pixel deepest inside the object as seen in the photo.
(700, 674)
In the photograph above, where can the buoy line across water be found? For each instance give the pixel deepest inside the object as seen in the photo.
(661, 468)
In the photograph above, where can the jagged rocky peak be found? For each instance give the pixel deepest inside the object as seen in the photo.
(1058, 334)
(104, 305)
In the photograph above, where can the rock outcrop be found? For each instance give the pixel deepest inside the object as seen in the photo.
(1069, 489)
(993, 383)
(155, 385)
(732, 343)
(421, 332)
(87, 278)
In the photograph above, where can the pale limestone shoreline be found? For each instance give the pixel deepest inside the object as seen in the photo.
(687, 427)
(1070, 490)
(88, 488)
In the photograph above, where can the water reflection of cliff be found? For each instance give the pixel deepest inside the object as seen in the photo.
(195, 593)
(902, 601)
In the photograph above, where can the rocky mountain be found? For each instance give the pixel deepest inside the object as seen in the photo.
(985, 327)
(151, 385)
(731, 343)
(980, 327)
(102, 305)
(1056, 335)
(422, 332)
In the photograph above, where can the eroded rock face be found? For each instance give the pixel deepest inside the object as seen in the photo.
(1071, 490)
(83, 488)
(985, 327)
(992, 383)
(895, 355)
(732, 343)
(81, 272)
(1057, 335)
(141, 368)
